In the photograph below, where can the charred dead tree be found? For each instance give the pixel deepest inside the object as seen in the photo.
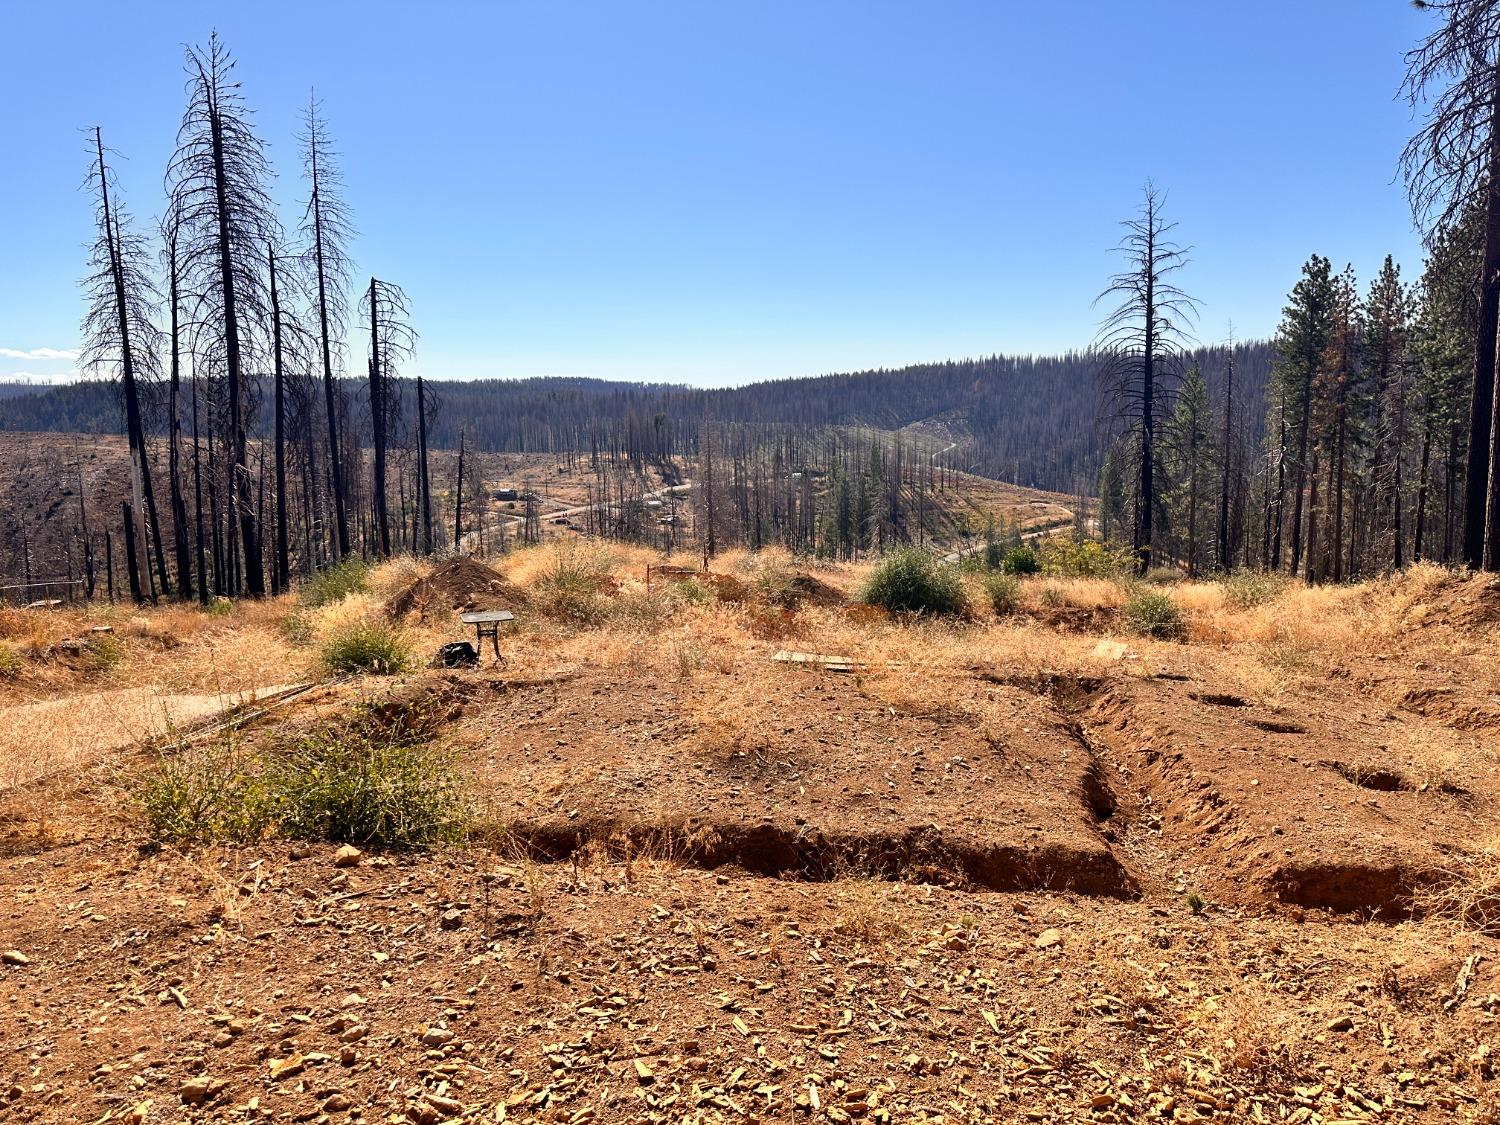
(424, 478)
(217, 179)
(1141, 343)
(199, 547)
(391, 343)
(172, 262)
(326, 230)
(458, 497)
(119, 333)
(1226, 466)
(281, 569)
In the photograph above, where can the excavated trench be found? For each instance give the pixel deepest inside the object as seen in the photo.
(1240, 803)
(1163, 776)
(924, 855)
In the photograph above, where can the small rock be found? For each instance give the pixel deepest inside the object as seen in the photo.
(1048, 938)
(336, 1103)
(15, 957)
(195, 1090)
(446, 1106)
(1343, 1023)
(347, 856)
(300, 851)
(644, 1072)
(451, 919)
(354, 1034)
(287, 1068)
(436, 1036)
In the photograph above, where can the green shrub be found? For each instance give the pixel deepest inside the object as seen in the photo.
(103, 651)
(912, 581)
(1246, 589)
(1153, 613)
(1052, 596)
(385, 788)
(297, 629)
(372, 783)
(204, 794)
(1086, 559)
(1020, 560)
(334, 583)
(773, 585)
(572, 589)
(10, 662)
(1164, 576)
(1003, 591)
(368, 646)
(218, 607)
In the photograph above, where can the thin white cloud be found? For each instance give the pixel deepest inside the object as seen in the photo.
(39, 353)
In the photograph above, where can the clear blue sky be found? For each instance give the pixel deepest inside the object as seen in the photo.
(716, 192)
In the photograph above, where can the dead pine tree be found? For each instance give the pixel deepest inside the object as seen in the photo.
(172, 263)
(425, 403)
(1451, 162)
(218, 184)
(326, 230)
(281, 569)
(458, 497)
(391, 341)
(119, 334)
(1141, 345)
(200, 552)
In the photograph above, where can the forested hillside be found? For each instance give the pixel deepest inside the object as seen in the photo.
(1035, 420)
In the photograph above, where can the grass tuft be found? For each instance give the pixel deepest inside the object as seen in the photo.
(368, 646)
(1003, 592)
(370, 783)
(1246, 589)
(912, 581)
(204, 794)
(334, 584)
(1154, 614)
(384, 788)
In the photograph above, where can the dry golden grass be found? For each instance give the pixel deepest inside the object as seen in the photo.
(869, 910)
(1078, 593)
(1469, 899)
(40, 739)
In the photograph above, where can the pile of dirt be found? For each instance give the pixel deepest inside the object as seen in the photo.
(814, 591)
(461, 584)
(1467, 603)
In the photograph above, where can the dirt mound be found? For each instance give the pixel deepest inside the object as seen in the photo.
(1468, 602)
(814, 591)
(459, 584)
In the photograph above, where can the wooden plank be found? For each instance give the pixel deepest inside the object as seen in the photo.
(830, 663)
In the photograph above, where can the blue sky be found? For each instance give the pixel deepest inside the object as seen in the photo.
(717, 192)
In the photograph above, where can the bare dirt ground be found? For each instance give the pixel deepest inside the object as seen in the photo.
(1003, 869)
